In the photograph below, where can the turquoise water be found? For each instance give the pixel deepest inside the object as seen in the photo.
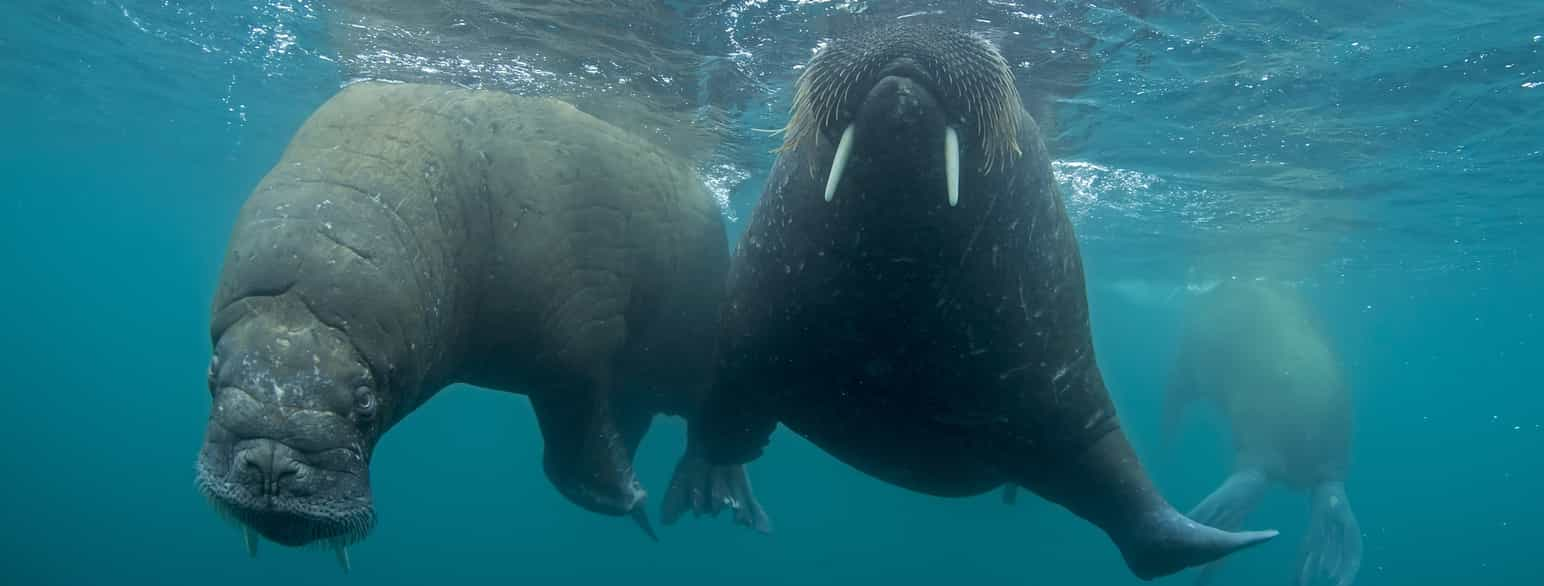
(1389, 157)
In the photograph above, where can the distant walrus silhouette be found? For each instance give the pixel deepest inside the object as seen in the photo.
(1252, 350)
(909, 296)
(416, 236)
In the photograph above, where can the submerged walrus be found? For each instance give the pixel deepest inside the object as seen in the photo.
(416, 236)
(1252, 350)
(909, 297)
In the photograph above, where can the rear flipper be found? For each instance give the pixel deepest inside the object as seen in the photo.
(1332, 549)
(708, 490)
(1227, 507)
(1165, 542)
(1108, 486)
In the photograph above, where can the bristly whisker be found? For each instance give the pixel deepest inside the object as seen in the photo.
(970, 73)
(326, 523)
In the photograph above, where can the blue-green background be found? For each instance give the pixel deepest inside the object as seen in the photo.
(124, 156)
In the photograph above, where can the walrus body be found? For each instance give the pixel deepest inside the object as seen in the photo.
(417, 236)
(1252, 351)
(925, 321)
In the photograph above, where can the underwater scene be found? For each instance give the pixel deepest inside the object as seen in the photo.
(754, 292)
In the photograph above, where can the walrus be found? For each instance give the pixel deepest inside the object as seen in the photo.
(1253, 350)
(415, 236)
(909, 297)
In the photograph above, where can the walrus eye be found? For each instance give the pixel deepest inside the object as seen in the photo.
(364, 402)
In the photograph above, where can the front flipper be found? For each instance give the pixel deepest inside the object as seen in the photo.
(1227, 507)
(728, 429)
(1332, 549)
(707, 490)
(734, 422)
(633, 421)
(586, 454)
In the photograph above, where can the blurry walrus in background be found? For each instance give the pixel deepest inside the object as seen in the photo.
(909, 297)
(1252, 349)
(415, 236)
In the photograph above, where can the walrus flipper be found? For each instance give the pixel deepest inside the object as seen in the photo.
(1332, 549)
(1154, 539)
(586, 454)
(707, 490)
(728, 430)
(1166, 542)
(1227, 507)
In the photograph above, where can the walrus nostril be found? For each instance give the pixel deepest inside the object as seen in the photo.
(246, 465)
(268, 466)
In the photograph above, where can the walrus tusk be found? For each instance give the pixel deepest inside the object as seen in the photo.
(843, 150)
(342, 551)
(641, 515)
(250, 537)
(951, 164)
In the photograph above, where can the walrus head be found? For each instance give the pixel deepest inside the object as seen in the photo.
(887, 85)
(295, 415)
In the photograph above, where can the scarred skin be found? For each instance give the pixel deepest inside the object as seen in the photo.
(1253, 351)
(944, 349)
(416, 236)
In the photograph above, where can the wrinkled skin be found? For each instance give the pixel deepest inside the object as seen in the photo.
(1253, 351)
(941, 348)
(416, 236)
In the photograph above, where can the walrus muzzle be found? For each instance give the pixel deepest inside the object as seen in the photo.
(291, 427)
(901, 126)
(908, 84)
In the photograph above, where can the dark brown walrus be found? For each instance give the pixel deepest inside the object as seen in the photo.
(909, 296)
(415, 236)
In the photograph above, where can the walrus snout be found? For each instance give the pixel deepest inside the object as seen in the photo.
(287, 495)
(900, 118)
(969, 81)
(270, 467)
(904, 66)
(902, 104)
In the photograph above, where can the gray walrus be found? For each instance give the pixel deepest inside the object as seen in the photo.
(1253, 351)
(909, 297)
(416, 236)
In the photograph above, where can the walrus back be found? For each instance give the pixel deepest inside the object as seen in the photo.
(362, 223)
(591, 228)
